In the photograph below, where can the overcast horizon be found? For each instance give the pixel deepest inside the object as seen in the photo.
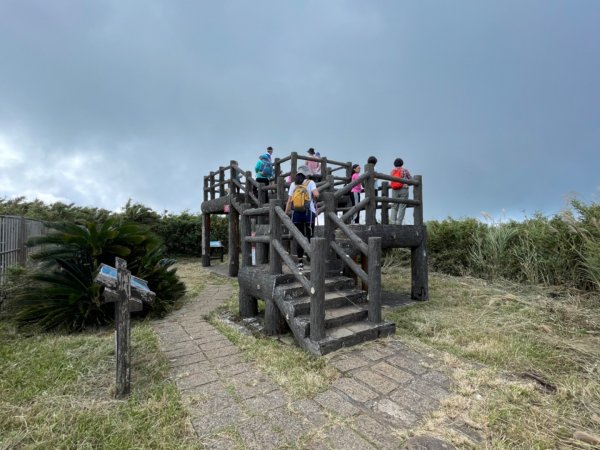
(495, 104)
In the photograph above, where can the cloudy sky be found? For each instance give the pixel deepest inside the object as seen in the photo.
(496, 104)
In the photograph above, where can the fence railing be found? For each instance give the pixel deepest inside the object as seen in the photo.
(14, 234)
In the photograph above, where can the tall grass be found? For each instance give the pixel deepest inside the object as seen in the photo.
(562, 250)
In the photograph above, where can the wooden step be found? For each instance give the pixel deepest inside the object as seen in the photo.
(352, 334)
(334, 317)
(333, 299)
(294, 290)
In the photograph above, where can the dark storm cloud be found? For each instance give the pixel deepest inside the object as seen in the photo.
(496, 104)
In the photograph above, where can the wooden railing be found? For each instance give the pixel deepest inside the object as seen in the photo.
(264, 204)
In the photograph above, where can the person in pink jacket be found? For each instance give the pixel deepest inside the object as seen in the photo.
(355, 191)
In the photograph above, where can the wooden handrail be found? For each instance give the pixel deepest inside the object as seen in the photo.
(349, 262)
(356, 241)
(405, 201)
(350, 185)
(355, 209)
(287, 259)
(294, 231)
(263, 211)
(383, 176)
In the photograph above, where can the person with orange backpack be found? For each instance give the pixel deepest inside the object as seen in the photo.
(399, 190)
(301, 201)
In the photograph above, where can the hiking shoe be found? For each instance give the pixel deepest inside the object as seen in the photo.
(300, 266)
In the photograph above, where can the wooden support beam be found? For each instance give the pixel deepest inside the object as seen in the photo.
(123, 329)
(418, 197)
(205, 239)
(370, 194)
(317, 289)
(275, 263)
(385, 209)
(374, 273)
(245, 230)
(420, 276)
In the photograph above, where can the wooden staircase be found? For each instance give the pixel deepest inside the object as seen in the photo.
(346, 321)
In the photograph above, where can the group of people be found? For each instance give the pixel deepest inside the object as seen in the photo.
(303, 192)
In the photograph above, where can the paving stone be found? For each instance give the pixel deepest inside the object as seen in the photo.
(213, 422)
(378, 382)
(416, 402)
(187, 350)
(183, 371)
(376, 353)
(344, 438)
(216, 344)
(229, 360)
(345, 363)
(438, 378)
(354, 389)
(221, 352)
(395, 412)
(247, 390)
(219, 442)
(208, 405)
(264, 403)
(209, 390)
(407, 363)
(292, 427)
(336, 404)
(430, 389)
(257, 433)
(376, 432)
(310, 410)
(187, 359)
(427, 443)
(394, 373)
(233, 369)
(196, 379)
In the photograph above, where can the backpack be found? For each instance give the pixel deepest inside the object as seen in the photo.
(300, 198)
(397, 172)
(267, 169)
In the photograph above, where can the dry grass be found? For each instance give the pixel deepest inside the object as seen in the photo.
(57, 391)
(489, 336)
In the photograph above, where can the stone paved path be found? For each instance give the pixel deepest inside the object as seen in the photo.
(384, 388)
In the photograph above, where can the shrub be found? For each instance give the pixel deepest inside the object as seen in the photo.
(62, 293)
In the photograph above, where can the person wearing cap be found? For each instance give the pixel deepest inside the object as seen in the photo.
(399, 190)
(263, 169)
(314, 166)
(303, 220)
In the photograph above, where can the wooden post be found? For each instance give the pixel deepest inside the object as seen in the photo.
(349, 171)
(275, 265)
(205, 239)
(248, 304)
(234, 241)
(324, 169)
(221, 181)
(245, 229)
(123, 328)
(420, 277)
(294, 164)
(248, 175)
(374, 273)
(329, 226)
(281, 193)
(276, 168)
(261, 249)
(385, 207)
(206, 198)
(371, 195)
(418, 196)
(317, 290)
(213, 193)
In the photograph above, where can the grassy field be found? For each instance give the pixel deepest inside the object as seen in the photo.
(525, 359)
(493, 339)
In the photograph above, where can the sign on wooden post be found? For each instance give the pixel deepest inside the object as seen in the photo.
(128, 293)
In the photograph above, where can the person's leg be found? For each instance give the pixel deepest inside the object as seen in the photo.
(394, 209)
(356, 202)
(403, 194)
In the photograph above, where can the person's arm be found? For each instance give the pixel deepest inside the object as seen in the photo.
(288, 205)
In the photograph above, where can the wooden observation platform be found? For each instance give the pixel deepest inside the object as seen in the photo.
(323, 306)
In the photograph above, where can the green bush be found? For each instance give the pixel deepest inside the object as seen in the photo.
(61, 292)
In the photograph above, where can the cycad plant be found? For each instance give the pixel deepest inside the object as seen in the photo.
(62, 293)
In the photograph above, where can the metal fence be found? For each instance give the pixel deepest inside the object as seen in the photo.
(14, 233)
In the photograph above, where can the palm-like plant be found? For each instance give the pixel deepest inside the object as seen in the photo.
(62, 293)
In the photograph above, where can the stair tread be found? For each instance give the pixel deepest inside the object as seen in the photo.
(346, 330)
(328, 295)
(334, 313)
(328, 281)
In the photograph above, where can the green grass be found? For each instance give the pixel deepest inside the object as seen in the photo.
(57, 391)
(512, 330)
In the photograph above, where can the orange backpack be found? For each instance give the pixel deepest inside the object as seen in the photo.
(397, 172)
